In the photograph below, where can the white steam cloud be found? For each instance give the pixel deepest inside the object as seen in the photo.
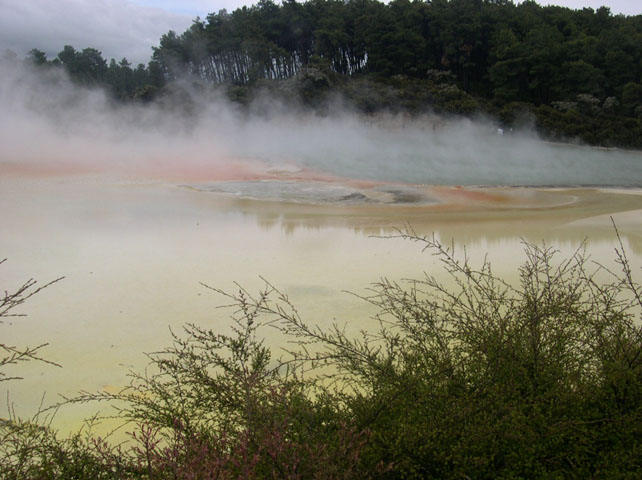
(46, 122)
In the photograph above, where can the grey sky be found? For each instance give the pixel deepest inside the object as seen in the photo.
(118, 28)
(626, 7)
(203, 7)
(129, 28)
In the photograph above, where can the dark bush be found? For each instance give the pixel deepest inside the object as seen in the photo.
(466, 378)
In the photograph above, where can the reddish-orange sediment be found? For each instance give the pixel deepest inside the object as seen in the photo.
(236, 169)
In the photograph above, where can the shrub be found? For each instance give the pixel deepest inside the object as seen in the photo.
(469, 378)
(490, 380)
(9, 301)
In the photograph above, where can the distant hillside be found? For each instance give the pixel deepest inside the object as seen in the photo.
(572, 74)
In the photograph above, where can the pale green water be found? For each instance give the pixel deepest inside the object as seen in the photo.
(133, 255)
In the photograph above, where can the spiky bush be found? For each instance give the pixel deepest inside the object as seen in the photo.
(470, 377)
(476, 378)
(9, 302)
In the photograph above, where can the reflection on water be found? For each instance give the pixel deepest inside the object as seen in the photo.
(558, 216)
(133, 255)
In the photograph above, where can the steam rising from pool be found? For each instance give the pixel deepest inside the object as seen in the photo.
(133, 256)
(46, 122)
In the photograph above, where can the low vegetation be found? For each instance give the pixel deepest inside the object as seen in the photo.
(470, 377)
(9, 301)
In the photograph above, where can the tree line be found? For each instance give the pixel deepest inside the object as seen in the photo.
(577, 72)
(494, 49)
(88, 67)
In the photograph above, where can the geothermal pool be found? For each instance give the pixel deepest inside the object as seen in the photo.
(137, 204)
(133, 251)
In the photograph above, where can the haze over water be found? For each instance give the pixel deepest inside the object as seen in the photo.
(135, 206)
(48, 123)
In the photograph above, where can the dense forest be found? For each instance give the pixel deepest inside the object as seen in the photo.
(573, 74)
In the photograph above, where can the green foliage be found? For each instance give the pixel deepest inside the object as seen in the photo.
(37, 57)
(589, 123)
(470, 377)
(632, 98)
(495, 52)
(32, 451)
(89, 68)
(209, 406)
(489, 380)
(493, 48)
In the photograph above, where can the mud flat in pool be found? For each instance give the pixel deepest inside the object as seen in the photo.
(529, 212)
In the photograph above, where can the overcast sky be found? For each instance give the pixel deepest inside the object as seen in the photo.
(129, 28)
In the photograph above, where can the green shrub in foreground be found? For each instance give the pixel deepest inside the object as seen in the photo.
(475, 378)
